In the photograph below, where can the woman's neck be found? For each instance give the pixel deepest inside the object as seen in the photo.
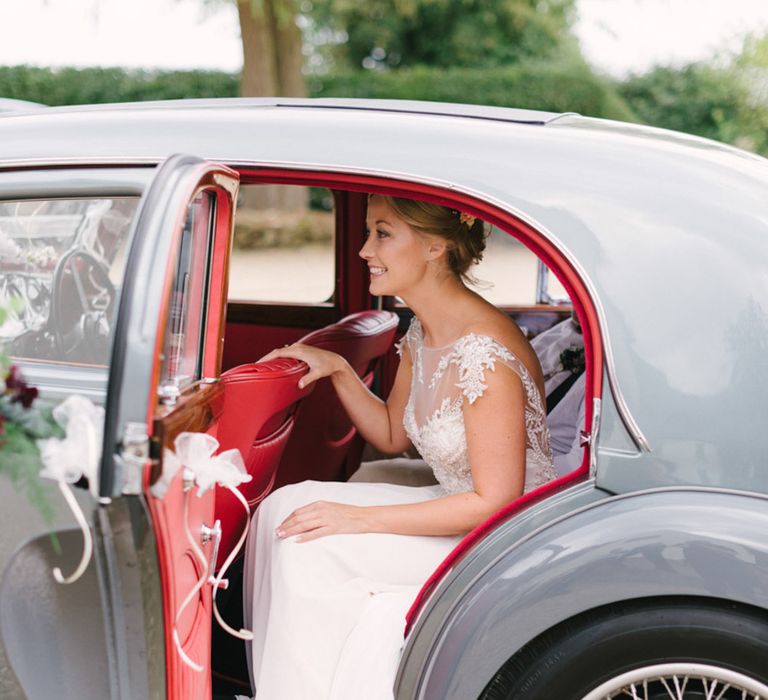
(444, 307)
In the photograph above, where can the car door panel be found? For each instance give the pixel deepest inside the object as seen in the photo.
(162, 383)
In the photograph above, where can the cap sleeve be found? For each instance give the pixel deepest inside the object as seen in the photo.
(409, 341)
(475, 355)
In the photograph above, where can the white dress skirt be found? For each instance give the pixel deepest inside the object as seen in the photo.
(328, 615)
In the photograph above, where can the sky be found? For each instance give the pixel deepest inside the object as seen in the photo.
(617, 36)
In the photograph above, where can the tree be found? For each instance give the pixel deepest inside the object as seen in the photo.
(273, 62)
(726, 100)
(444, 33)
(272, 48)
(394, 33)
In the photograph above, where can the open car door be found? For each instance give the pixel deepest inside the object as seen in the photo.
(154, 525)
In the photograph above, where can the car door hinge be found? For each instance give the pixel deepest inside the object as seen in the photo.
(133, 457)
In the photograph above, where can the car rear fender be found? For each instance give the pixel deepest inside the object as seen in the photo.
(679, 541)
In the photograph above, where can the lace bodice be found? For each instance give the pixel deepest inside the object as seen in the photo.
(442, 379)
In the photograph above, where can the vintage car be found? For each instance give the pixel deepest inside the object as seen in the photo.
(642, 572)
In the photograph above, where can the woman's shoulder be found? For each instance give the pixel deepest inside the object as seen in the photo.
(498, 334)
(501, 329)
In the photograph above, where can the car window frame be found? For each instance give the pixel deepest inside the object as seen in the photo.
(57, 379)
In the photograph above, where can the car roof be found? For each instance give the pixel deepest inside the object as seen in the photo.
(9, 104)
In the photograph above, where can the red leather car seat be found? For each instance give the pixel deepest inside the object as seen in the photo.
(323, 438)
(258, 414)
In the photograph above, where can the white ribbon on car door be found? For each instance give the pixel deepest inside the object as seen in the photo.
(67, 460)
(195, 453)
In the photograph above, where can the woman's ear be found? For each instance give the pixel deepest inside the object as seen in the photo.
(436, 247)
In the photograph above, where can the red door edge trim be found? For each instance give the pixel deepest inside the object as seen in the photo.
(552, 258)
(201, 178)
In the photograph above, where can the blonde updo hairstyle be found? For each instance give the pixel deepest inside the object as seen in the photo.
(465, 240)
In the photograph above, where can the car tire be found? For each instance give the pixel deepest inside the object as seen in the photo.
(619, 644)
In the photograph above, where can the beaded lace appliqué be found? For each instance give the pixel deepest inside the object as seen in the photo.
(441, 439)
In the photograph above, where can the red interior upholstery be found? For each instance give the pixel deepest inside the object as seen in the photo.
(258, 414)
(323, 440)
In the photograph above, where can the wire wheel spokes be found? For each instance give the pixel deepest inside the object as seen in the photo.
(680, 681)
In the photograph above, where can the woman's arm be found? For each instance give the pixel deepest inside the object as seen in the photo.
(379, 422)
(496, 440)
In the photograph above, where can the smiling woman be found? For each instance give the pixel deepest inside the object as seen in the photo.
(483, 433)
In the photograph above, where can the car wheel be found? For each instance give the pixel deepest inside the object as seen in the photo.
(670, 650)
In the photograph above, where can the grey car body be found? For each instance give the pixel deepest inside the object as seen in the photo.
(668, 233)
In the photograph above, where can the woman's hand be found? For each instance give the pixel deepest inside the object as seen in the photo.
(322, 518)
(322, 363)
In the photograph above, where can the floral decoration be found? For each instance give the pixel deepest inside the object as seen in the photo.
(23, 421)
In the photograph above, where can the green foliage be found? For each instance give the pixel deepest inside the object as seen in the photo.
(700, 99)
(557, 87)
(21, 425)
(20, 462)
(466, 33)
(67, 86)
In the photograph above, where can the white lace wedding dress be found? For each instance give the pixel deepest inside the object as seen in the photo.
(328, 615)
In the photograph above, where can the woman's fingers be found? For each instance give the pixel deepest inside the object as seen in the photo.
(322, 363)
(314, 534)
(315, 520)
(297, 528)
(285, 351)
(309, 377)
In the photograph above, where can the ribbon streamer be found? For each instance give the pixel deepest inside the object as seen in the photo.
(195, 451)
(244, 634)
(85, 558)
(69, 459)
(193, 593)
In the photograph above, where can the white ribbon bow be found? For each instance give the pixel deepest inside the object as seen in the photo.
(68, 459)
(78, 453)
(194, 451)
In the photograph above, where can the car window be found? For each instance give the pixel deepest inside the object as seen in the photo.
(62, 263)
(283, 249)
(182, 358)
(511, 275)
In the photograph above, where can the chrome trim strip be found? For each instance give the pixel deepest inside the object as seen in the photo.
(89, 161)
(594, 434)
(621, 405)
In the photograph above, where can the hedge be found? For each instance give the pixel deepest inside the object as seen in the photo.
(528, 85)
(544, 86)
(68, 86)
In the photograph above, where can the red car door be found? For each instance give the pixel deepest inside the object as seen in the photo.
(163, 382)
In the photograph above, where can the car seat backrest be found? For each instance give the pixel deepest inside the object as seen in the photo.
(258, 414)
(324, 435)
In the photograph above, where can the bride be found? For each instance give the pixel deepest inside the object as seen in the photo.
(331, 568)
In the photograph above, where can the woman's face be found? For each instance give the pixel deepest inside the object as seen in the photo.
(397, 256)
